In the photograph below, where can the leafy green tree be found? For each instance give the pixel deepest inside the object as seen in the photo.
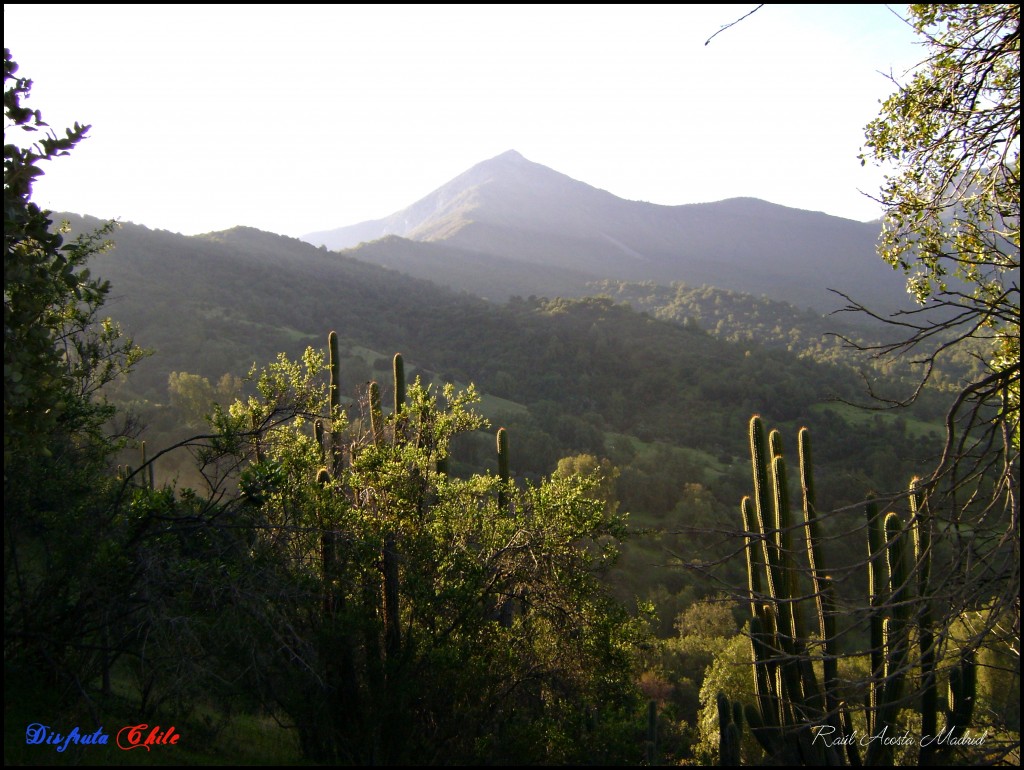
(398, 614)
(726, 674)
(55, 354)
(58, 357)
(194, 397)
(704, 628)
(588, 465)
(951, 136)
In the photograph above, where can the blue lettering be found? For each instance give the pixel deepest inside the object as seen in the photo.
(73, 736)
(35, 733)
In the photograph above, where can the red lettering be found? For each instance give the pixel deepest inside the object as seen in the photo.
(134, 737)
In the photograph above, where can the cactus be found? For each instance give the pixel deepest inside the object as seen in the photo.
(335, 392)
(963, 683)
(652, 732)
(921, 523)
(148, 465)
(506, 609)
(790, 702)
(389, 553)
(729, 731)
(126, 473)
(503, 473)
(875, 600)
(376, 414)
(824, 596)
(399, 367)
(318, 436)
(399, 409)
(895, 637)
(335, 364)
(787, 693)
(328, 554)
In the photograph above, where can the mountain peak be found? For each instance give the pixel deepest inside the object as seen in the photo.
(509, 207)
(509, 155)
(511, 164)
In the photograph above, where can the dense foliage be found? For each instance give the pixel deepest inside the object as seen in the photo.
(397, 614)
(951, 137)
(59, 525)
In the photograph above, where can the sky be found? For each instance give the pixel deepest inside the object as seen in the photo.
(300, 118)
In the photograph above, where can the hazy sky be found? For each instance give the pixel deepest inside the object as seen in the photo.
(308, 117)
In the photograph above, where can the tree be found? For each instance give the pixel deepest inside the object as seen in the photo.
(952, 208)
(194, 397)
(588, 465)
(57, 353)
(952, 224)
(39, 278)
(395, 613)
(58, 356)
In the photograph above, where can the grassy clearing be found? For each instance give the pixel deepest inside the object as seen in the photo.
(712, 465)
(853, 415)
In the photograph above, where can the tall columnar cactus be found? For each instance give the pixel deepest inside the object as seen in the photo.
(389, 553)
(399, 367)
(148, 465)
(876, 599)
(376, 414)
(126, 473)
(335, 363)
(506, 609)
(399, 375)
(652, 732)
(824, 594)
(328, 554)
(895, 635)
(503, 473)
(318, 436)
(392, 613)
(921, 528)
(963, 682)
(797, 696)
(729, 732)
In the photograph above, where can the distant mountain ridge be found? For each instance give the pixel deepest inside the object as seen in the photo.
(510, 216)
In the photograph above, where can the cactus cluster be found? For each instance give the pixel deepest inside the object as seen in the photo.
(332, 454)
(798, 700)
(126, 473)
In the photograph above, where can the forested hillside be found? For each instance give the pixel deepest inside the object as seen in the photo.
(213, 305)
(846, 336)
